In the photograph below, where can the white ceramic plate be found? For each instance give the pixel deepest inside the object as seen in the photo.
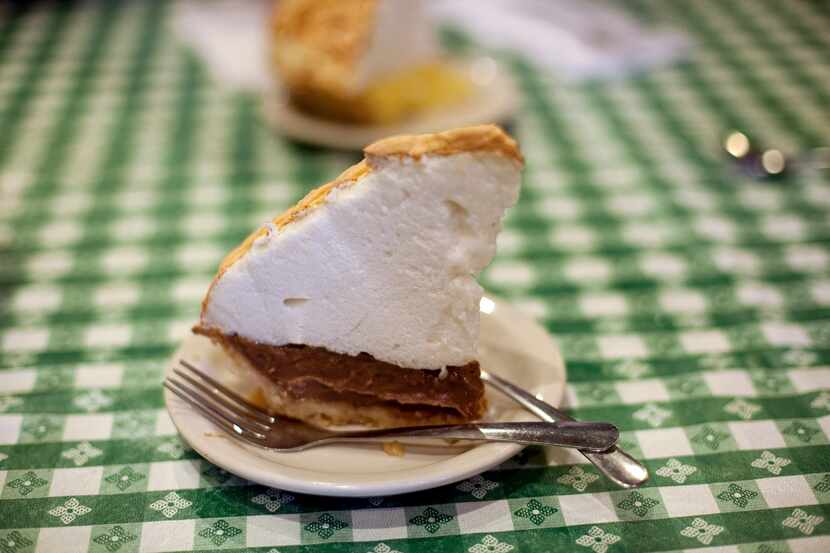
(494, 99)
(512, 345)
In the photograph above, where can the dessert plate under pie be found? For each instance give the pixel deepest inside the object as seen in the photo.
(512, 345)
(493, 97)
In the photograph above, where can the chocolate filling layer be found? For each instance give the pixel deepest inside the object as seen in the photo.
(313, 372)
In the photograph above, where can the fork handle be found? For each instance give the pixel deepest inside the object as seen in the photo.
(616, 464)
(591, 436)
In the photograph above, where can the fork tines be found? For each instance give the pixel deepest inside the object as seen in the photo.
(222, 406)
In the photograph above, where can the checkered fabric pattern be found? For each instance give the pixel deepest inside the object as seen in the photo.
(692, 306)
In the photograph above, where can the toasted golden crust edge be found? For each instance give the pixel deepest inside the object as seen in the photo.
(311, 200)
(480, 138)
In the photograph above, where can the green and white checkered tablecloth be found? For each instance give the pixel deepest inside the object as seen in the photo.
(692, 306)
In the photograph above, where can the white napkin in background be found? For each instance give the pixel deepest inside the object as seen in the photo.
(577, 39)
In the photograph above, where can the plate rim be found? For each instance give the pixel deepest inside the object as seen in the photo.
(459, 467)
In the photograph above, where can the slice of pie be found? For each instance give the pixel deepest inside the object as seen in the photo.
(361, 61)
(359, 304)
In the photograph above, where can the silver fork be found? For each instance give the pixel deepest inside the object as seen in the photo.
(248, 423)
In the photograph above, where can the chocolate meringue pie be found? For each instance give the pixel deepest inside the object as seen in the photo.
(359, 305)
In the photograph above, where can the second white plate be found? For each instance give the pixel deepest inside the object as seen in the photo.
(494, 99)
(512, 345)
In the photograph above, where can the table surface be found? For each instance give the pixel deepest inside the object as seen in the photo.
(692, 306)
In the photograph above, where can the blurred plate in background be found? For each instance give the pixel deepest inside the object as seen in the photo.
(494, 99)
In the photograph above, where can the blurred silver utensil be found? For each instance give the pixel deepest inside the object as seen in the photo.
(246, 422)
(620, 467)
(758, 162)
